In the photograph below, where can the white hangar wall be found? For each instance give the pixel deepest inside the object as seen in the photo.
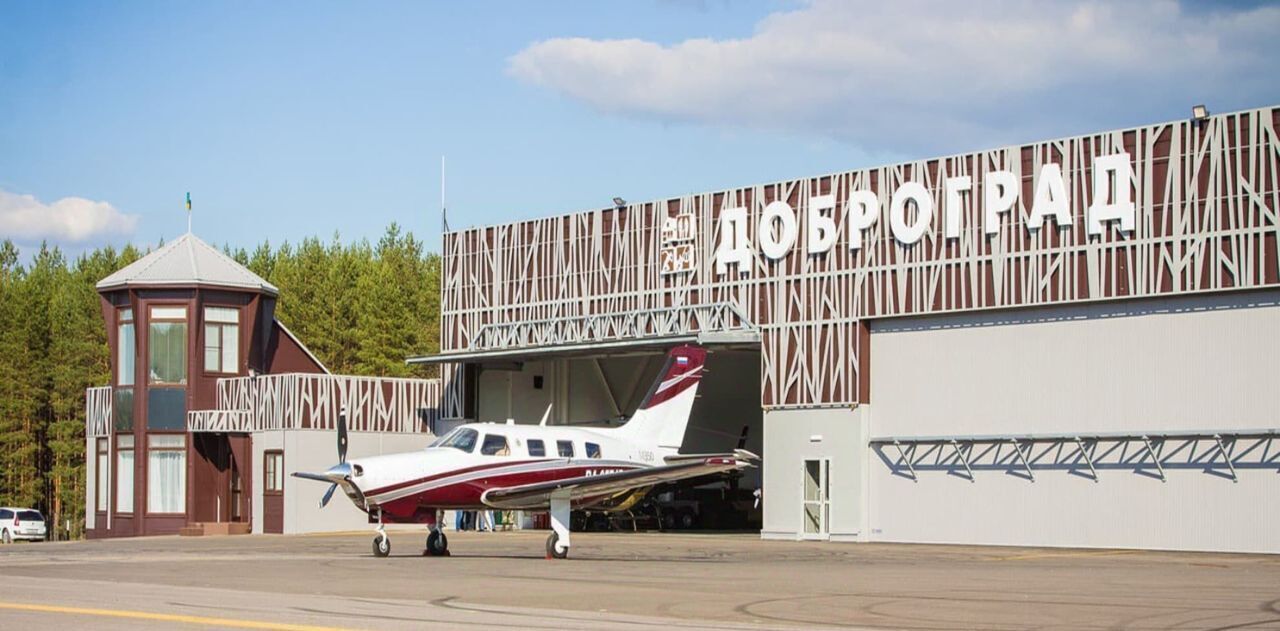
(1191, 363)
(315, 451)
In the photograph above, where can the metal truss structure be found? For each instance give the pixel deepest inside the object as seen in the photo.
(647, 324)
(1150, 453)
(97, 411)
(1207, 218)
(294, 401)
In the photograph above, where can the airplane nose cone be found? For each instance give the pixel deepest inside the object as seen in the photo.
(338, 472)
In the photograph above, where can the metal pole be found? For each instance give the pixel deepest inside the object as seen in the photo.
(1023, 458)
(1154, 457)
(907, 460)
(1087, 458)
(1227, 457)
(963, 460)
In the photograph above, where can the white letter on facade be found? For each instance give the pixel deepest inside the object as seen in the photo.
(1050, 199)
(860, 212)
(776, 248)
(1109, 205)
(822, 227)
(733, 242)
(1000, 191)
(951, 205)
(910, 191)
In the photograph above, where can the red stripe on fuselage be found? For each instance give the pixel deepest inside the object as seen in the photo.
(467, 493)
(407, 483)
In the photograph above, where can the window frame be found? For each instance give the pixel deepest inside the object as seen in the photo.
(132, 475)
(542, 448)
(484, 445)
(560, 451)
(126, 317)
(183, 450)
(268, 479)
(101, 475)
(205, 325)
(186, 341)
(599, 454)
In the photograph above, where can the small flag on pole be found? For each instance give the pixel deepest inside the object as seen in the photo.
(188, 201)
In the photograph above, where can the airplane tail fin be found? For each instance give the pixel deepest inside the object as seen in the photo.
(664, 413)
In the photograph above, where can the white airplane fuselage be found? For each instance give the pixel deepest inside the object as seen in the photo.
(446, 477)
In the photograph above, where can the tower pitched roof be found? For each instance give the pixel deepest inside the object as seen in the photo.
(186, 261)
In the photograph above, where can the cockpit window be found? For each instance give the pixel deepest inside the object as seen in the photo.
(495, 445)
(463, 438)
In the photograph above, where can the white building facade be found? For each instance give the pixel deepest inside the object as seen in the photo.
(1065, 343)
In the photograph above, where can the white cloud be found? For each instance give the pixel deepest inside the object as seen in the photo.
(68, 220)
(889, 75)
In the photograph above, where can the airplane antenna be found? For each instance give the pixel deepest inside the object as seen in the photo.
(545, 415)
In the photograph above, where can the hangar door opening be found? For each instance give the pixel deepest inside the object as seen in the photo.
(603, 389)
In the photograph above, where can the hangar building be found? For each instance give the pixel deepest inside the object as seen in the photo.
(1073, 342)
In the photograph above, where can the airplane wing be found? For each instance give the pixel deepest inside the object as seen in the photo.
(538, 495)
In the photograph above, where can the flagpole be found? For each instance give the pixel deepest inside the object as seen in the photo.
(444, 213)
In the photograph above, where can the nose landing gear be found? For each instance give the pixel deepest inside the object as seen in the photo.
(381, 542)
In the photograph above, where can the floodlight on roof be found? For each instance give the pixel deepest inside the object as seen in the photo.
(1199, 113)
(619, 202)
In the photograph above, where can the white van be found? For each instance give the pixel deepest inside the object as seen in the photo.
(21, 523)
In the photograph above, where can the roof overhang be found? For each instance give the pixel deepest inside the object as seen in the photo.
(107, 287)
(722, 339)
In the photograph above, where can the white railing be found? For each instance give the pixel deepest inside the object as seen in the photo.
(219, 421)
(308, 401)
(97, 411)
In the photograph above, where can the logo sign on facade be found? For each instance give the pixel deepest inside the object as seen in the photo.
(677, 254)
(778, 226)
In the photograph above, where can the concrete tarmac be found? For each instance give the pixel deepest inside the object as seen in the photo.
(623, 581)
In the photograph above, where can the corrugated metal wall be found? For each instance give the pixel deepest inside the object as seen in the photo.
(1207, 362)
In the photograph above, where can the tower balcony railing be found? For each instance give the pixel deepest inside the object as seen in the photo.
(300, 401)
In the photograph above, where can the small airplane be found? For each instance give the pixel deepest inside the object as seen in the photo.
(484, 466)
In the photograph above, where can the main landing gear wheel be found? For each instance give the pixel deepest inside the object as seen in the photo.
(381, 546)
(552, 551)
(437, 544)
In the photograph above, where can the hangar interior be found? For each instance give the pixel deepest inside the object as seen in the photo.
(603, 388)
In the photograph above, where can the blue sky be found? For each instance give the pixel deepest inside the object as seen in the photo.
(291, 119)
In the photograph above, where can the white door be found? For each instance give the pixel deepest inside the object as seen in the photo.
(816, 499)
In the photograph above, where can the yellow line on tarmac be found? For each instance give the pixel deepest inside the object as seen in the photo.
(164, 617)
(1064, 555)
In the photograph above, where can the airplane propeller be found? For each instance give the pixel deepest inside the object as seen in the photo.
(342, 457)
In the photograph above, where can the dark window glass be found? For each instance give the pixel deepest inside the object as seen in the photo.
(564, 448)
(593, 450)
(536, 448)
(122, 410)
(463, 438)
(6, 514)
(167, 409)
(495, 445)
(30, 515)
